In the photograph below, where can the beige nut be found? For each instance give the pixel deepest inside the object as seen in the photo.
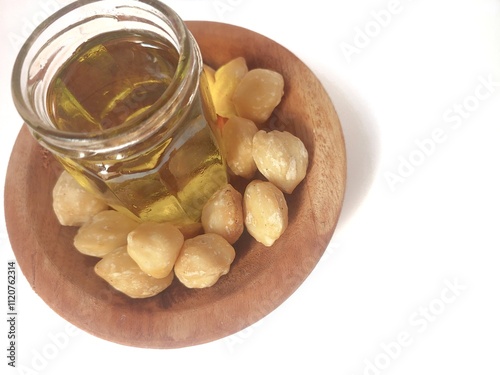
(72, 204)
(281, 157)
(266, 211)
(223, 214)
(123, 274)
(227, 78)
(258, 93)
(237, 138)
(105, 232)
(203, 260)
(155, 247)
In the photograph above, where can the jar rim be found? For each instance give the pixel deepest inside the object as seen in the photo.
(186, 76)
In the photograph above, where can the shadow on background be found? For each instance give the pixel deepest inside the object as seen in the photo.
(362, 143)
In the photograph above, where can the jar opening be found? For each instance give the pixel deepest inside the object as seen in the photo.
(55, 74)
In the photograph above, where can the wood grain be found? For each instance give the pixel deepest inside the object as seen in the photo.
(260, 278)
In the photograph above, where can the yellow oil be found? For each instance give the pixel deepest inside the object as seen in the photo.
(112, 79)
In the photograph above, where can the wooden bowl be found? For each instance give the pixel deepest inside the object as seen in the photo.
(260, 278)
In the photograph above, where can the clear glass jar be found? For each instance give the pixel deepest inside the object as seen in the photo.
(115, 90)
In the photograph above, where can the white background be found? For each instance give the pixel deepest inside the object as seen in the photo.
(409, 283)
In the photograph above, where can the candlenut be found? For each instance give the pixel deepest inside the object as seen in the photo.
(265, 210)
(203, 260)
(281, 157)
(72, 204)
(155, 247)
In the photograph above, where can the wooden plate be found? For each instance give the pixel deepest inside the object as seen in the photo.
(260, 278)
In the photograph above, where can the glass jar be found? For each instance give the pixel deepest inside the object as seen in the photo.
(115, 90)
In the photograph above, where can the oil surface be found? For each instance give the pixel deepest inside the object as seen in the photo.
(109, 80)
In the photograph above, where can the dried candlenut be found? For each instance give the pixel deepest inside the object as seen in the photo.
(155, 247)
(72, 204)
(123, 274)
(227, 78)
(258, 93)
(281, 157)
(103, 233)
(265, 210)
(237, 138)
(203, 260)
(223, 214)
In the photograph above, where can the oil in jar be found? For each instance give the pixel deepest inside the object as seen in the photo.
(110, 80)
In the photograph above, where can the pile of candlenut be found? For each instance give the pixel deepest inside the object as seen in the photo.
(141, 259)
